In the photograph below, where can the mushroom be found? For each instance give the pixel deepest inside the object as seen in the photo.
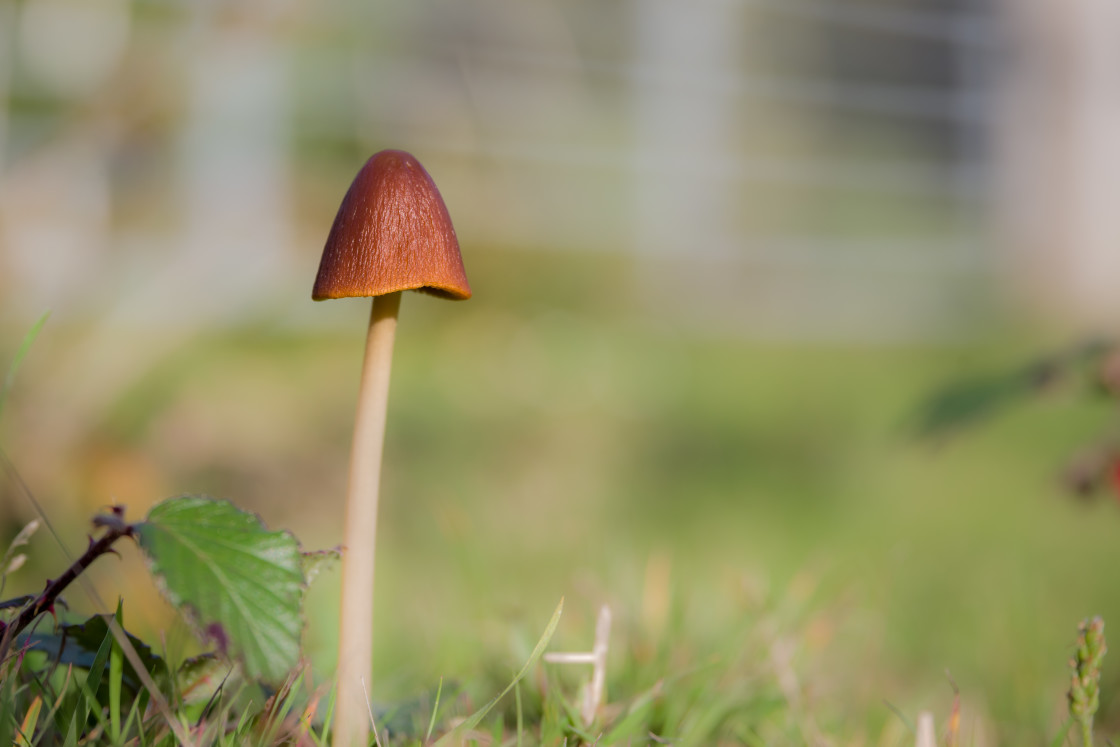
(392, 233)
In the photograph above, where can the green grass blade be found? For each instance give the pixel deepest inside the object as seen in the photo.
(48, 720)
(636, 721)
(116, 674)
(520, 717)
(435, 711)
(97, 671)
(28, 339)
(497, 731)
(272, 719)
(473, 720)
(72, 735)
(94, 707)
(1062, 734)
(8, 695)
(30, 721)
(322, 738)
(134, 718)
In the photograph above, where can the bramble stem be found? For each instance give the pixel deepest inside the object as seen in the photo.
(115, 529)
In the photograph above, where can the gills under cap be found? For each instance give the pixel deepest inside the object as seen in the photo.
(392, 233)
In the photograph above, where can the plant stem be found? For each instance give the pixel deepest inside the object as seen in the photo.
(115, 530)
(355, 653)
(1085, 677)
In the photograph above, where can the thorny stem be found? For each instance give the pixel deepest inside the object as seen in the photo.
(116, 528)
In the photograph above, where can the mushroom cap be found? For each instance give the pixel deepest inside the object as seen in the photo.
(392, 233)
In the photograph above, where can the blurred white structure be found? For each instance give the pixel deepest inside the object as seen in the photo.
(233, 165)
(1060, 158)
(854, 170)
(685, 126)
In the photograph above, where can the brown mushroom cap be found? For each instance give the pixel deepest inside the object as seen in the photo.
(392, 233)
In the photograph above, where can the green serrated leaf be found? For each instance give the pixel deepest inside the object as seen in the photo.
(240, 584)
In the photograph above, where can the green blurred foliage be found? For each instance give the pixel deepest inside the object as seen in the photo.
(553, 443)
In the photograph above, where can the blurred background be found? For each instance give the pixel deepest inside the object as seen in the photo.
(720, 251)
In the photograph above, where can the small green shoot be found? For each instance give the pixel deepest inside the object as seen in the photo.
(1085, 677)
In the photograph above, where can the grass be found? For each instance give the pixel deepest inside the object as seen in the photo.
(755, 514)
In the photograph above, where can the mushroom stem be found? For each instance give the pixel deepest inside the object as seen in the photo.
(355, 656)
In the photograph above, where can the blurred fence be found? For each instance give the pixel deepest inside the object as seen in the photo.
(785, 167)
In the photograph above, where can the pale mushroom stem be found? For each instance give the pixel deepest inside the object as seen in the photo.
(355, 648)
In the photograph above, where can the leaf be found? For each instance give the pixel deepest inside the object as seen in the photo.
(238, 583)
(15, 602)
(23, 348)
(80, 644)
(968, 401)
(199, 677)
(474, 719)
(317, 561)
